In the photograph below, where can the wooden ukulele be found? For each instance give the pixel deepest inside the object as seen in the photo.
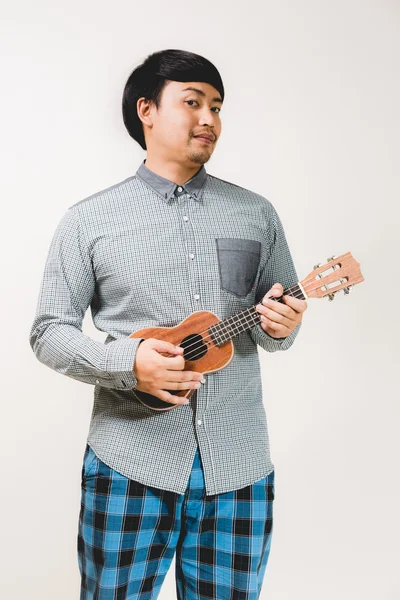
(206, 339)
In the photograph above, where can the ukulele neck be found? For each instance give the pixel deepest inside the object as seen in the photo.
(229, 328)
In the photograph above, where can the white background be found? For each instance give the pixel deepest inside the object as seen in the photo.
(310, 121)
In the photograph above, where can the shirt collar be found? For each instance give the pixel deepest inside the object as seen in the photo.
(166, 188)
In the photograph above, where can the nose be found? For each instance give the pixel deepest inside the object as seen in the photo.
(207, 118)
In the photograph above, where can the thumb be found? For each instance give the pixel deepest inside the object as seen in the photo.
(276, 290)
(163, 346)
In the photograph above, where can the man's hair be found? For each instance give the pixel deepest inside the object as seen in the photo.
(149, 78)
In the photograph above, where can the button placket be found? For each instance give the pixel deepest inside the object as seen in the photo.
(188, 236)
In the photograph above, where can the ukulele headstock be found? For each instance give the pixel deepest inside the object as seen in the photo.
(338, 273)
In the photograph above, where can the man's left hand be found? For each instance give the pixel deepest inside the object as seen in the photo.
(280, 319)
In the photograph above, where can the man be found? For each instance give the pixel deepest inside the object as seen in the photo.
(196, 481)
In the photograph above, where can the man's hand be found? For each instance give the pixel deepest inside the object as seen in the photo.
(277, 319)
(156, 373)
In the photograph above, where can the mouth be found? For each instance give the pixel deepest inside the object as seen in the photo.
(204, 140)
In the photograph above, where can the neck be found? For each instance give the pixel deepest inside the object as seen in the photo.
(247, 319)
(172, 171)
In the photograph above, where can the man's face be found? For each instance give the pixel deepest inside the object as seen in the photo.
(182, 116)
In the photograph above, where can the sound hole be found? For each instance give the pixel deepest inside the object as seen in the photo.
(193, 347)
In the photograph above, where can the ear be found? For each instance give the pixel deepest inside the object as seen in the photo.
(144, 110)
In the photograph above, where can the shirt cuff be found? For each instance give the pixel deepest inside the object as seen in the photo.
(272, 342)
(119, 361)
(273, 338)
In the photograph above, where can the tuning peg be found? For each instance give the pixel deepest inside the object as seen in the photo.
(347, 289)
(331, 297)
(331, 258)
(318, 275)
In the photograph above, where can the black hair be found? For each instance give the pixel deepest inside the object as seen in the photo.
(148, 80)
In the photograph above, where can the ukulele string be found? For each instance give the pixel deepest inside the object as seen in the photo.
(300, 296)
(251, 307)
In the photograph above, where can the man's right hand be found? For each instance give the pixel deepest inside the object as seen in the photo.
(156, 373)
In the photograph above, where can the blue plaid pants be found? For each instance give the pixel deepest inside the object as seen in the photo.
(128, 534)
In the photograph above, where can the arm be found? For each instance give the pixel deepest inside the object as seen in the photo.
(278, 268)
(66, 291)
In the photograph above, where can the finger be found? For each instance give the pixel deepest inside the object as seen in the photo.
(173, 363)
(275, 317)
(295, 303)
(179, 375)
(180, 385)
(277, 328)
(276, 290)
(283, 309)
(163, 346)
(278, 308)
(171, 398)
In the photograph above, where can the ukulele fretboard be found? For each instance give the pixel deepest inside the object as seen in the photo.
(229, 328)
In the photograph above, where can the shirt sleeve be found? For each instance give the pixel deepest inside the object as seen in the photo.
(66, 291)
(279, 268)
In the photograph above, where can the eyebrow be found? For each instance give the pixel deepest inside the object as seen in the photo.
(201, 93)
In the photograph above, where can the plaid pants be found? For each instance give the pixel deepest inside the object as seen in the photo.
(128, 534)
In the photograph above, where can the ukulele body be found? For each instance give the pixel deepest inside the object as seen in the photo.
(200, 352)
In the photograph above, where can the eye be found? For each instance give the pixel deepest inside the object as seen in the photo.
(215, 107)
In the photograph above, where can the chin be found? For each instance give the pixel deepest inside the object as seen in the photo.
(200, 158)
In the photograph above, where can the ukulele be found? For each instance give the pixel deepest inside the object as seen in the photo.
(206, 340)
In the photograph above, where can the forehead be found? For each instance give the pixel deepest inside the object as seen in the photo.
(198, 88)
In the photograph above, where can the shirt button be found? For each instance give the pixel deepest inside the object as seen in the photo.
(199, 422)
(196, 296)
(191, 255)
(179, 189)
(185, 217)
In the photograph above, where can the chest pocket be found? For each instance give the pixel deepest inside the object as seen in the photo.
(238, 261)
